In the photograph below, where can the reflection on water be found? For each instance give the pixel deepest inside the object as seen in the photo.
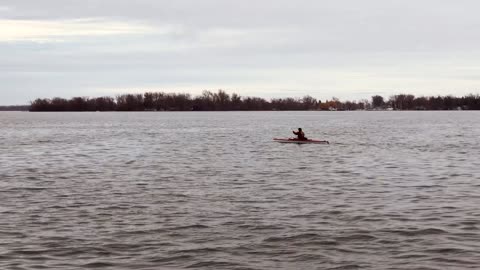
(393, 190)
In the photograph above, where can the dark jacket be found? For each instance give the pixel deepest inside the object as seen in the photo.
(300, 135)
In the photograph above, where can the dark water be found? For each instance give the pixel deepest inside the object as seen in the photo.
(393, 190)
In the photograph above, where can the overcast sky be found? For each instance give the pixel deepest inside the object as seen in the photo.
(349, 49)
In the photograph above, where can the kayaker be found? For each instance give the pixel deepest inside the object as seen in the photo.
(300, 134)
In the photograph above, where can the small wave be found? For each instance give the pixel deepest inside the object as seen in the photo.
(357, 218)
(254, 201)
(346, 267)
(469, 222)
(120, 246)
(274, 189)
(198, 250)
(303, 216)
(310, 257)
(427, 186)
(303, 236)
(429, 231)
(350, 250)
(445, 250)
(213, 264)
(140, 232)
(355, 237)
(410, 256)
(470, 228)
(171, 258)
(343, 171)
(456, 261)
(260, 227)
(323, 243)
(69, 252)
(10, 233)
(30, 252)
(98, 265)
(16, 189)
(194, 226)
(334, 212)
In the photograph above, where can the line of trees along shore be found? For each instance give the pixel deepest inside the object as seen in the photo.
(222, 101)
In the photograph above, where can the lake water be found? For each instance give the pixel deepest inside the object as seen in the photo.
(168, 190)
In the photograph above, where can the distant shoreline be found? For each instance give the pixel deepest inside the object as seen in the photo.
(221, 101)
(15, 108)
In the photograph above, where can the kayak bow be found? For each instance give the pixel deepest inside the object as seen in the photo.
(297, 141)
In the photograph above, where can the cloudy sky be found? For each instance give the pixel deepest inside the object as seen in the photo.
(269, 48)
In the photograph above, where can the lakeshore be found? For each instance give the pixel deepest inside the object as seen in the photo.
(222, 101)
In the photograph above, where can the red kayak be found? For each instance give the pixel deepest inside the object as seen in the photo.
(292, 140)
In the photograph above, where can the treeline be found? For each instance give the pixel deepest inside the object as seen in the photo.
(221, 101)
(160, 101)
(410, 102)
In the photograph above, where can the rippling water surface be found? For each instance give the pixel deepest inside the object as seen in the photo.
(393, 190)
